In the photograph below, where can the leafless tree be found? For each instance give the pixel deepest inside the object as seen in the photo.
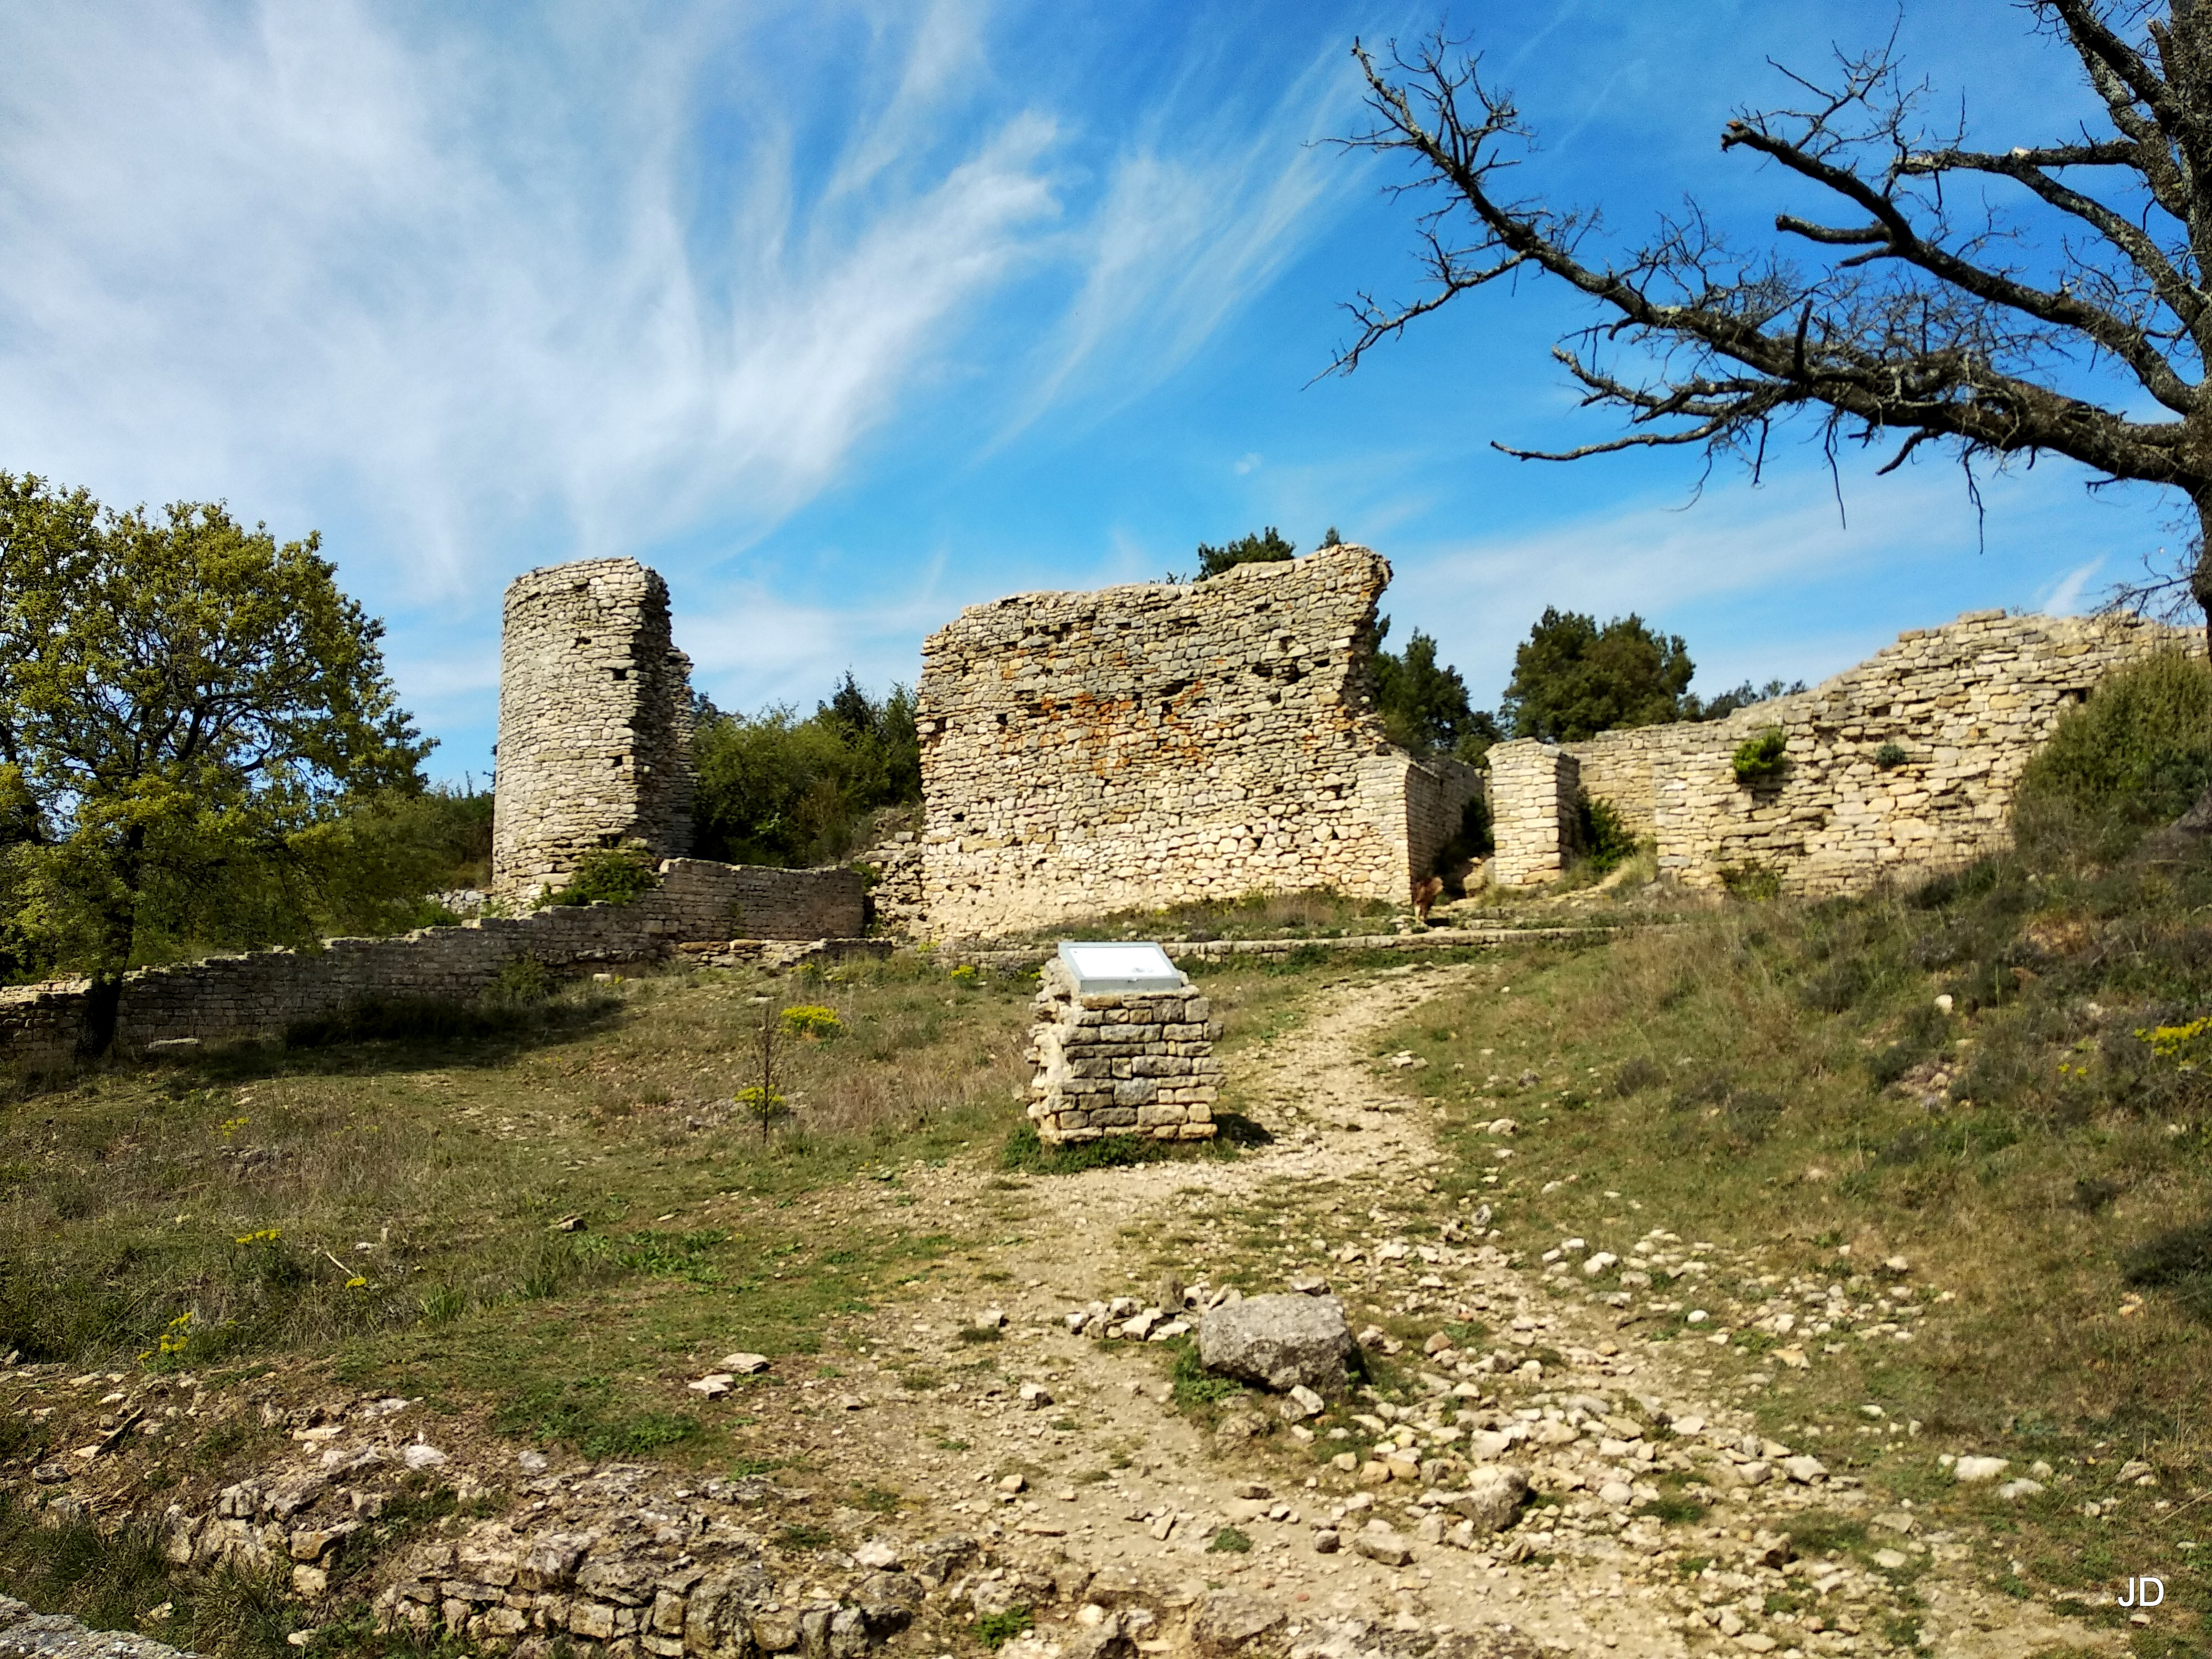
(1980, 300)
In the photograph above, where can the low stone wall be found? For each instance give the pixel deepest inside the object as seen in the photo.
(1121, 1062)
(1908, 762)
(704, 900)
(260, 994)
(39, 1025)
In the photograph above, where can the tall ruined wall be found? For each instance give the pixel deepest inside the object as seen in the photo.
(1966, 705)
(594, 723)
(1139, 746)
(261, 993)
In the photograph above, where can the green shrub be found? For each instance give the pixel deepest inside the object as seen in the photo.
(608, 875)
(1602, 838)
(2136, 756)
(1753, 882)
(2180, 1261)
(811, 1020)
(1761, 759)
(1890, 757)
(779, 788)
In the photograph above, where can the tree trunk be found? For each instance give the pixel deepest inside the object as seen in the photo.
(119, 933)
(2197, 822)
(2200, 574)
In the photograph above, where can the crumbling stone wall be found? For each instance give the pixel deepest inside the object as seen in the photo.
(262, 992)
(1966, 704)
(1121, 1063)
(594, 723)
(1138, 746)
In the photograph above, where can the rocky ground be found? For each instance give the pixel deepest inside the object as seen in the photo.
(1019, 1456)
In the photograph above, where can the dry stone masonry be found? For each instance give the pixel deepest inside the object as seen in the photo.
(594, 723)
(262, 992)
(1533, 791)
(1908, 762)
(1139, 746)
(1121, 1062)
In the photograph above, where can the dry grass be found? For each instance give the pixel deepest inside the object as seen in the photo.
(238, 1194)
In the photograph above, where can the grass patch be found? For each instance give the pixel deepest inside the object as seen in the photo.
(1229, 1541)
(113, 1578)
(995, 1630)
(1025, 1151)
(1195, 1387)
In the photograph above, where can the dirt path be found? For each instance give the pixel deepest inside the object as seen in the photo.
(1118, 1483)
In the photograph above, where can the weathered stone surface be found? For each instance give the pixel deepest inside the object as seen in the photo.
(1281, 1342)
(1964, 705)
(594, 723)
(1140, 745)
(1099, 1073)
(1227, 1621)
(1493, 1496)
(27, 1634)
(1379, 1541)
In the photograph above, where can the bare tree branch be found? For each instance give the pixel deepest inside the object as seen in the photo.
(1921, 320)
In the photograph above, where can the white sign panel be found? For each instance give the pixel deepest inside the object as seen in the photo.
(1120, 965)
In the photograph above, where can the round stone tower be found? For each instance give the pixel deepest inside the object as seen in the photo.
(594, 724)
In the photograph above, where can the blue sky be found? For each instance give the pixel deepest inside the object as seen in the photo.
(843, 317)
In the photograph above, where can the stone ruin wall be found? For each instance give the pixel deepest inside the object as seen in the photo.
(1967, 703)
(1139, 746)
(263, 992)
(594, 723)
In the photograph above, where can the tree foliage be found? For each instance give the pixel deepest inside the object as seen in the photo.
(1267, 548)
(778, 788)
(196, 727)
(2046, 296)
(1573, 679)
(1424, 705)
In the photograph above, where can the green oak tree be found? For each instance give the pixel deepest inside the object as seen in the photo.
(185, 705)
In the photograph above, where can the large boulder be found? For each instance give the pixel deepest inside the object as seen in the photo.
(1281, 1342)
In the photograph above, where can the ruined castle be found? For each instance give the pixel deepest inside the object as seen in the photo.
(1141, 747)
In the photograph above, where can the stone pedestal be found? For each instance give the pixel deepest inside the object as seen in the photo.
(1121, 1062)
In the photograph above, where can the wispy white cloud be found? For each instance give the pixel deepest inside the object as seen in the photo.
(1784, 586)
(296, 251)
(2063, 597)
(1196, 215)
